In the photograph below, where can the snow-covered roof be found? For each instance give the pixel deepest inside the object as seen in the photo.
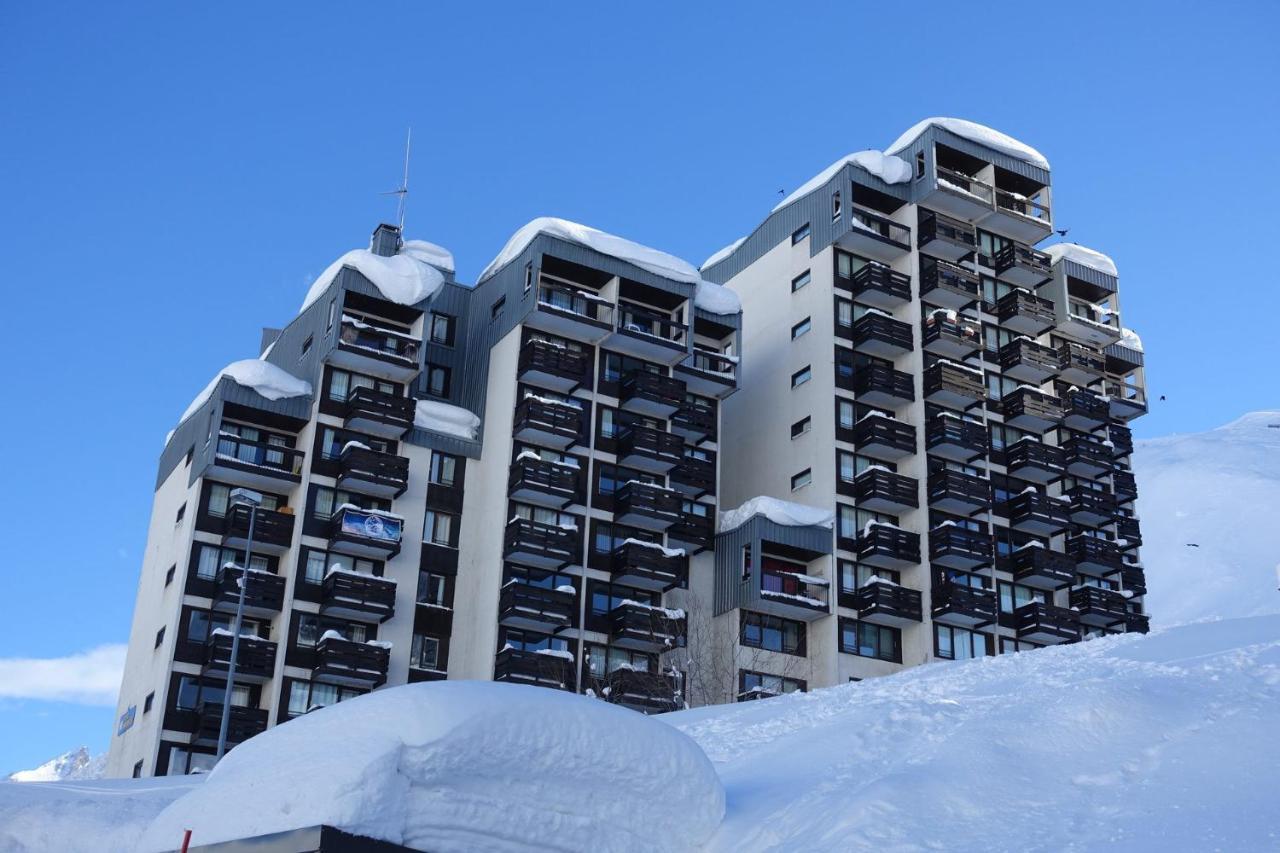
(886, 167)
(1130, 339)
(445, 418)
(430, 767)
(262, 376)
(406, 278)
(1085, 257)
(716, 299)
(974, 132)
(720, 254)
(778, 511)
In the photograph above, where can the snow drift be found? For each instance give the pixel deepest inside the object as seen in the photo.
(974, 132)
(262, 376)
(105, 816)
(462, 766)
(778, 511)
(406, 278)
(445, 418)
(1208, 505)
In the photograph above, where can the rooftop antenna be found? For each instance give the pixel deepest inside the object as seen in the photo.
(403, 190)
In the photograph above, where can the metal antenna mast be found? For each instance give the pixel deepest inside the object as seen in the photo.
(403, 189)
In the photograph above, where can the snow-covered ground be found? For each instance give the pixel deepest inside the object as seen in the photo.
(1208, 503)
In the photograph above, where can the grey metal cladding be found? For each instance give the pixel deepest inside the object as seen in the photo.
(1129, 354)
(185, 437)
(733, 321)
(731, 589)
(1098, 278)
(933, 133)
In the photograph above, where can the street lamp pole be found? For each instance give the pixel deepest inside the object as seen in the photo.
(253, 500)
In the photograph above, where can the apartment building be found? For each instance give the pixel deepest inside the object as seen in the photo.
(443, 481)
(956, 398)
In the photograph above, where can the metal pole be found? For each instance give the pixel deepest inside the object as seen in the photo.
(235, 637)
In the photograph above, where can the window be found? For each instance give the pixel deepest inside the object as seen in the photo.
(848, 522)
(528, 277)
(168, 576)
(333, 313)
(496, 308)
(137, 770)
(958, 643)
(845, 418)
(804, 478)
(425, 652)
(772, 633)
(438, 528)
(304, 696)
(1013, 596)
(800, 281)
(746, 562)
(148, 702)
(341, 383)
(919, 165)
(443, 468)
(601, 661)
(1009, 645)
(441, 329)
(854, 576)
(320, 562)
(801, 376)
(835, 205)
(871, 641)
(800, 233)
(801, 426)
(182, 511)
(211, 558)
(329, 500)
(159, 637)
(800, 328)
(760, 685)
(306, 346)
(844, 313)
(437, 380)
(311, 628)
(191, 454)
(431, 588)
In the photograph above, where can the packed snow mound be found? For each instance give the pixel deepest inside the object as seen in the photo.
(257, 375)
(406, 278)
(1085, 257)
(442, 417)
(886, 167)
(462, 766)
(1164, 742)
(1208, 500)
(77, 764)
(974, 132)
(1130, 339)
(716, 299)
(104, 816)
(778, 511)
(720, 254)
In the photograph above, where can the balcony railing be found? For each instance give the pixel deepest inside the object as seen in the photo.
(954, 181)
(1081, 409)
(651, 324)
(550, 422)
(885, 603)
(1121, 438)
(957, 492)
(372, 472)
(375, 412)
(943, 236)
(881, 336)
(882, 437)
(1087, 456)
(358, 596)
(255, 657)
(948, 285)
(1034, 512)
(1030, 208)
(1044, 623)
(694, 532)
(535, 608)
(554, 366)
(958, 338)
(1133, 578)
(694, 477)
(1080, 364)
(1094, 556)
(721, 368)
(264, 595)
(868, 222)
(580, 303)
(544, 482)
(955, 438)
(1028, 459)
(879, 385)
(1024, 313)
(648, 566)
(1102, 608)
(1035, 566)
(383, 344)
(260, 457)
(272, 529)
(954, 385)
(877, 284)
(242, 723)
(642, 627)
(886, 546)
(880, 490)
(543, 668)
(959, 547)
(646, 505)
(1030, 409)
(649, 449)
(651, 393)
(347, 662)
(695, 421)
(1027, 361)
(1124, 486)
(1022, 264)
(537, 544)
(365, 532)
(1137, 623)
(1091, 506)
(958, 604)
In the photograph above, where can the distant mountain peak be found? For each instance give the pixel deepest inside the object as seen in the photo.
(76, 764)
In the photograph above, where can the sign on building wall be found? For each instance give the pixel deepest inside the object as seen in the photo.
(126, 720)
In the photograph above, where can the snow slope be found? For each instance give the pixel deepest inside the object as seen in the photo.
(1219, 490)
(104, 816)
(1165, 742)
(77, 764)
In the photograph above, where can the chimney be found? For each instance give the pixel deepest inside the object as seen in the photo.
(386, 240)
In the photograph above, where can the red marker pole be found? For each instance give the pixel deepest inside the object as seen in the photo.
(186, 840)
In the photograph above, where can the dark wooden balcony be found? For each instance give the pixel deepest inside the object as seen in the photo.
(242, 723)
(696, 421)
(1035, 461)
(948, 286)
(693, 533)
(357, 596)
(885, 603)
(878, 489)
(647, 566)
(882, 437)
(272, 529)
(1128, 533)
(375, 412)
(958, 493)
(1081, 409)
(263, 595)
(1024, 313)
(1099, 608)
(1091, 507)
(648, 334)
(959, 547)
(875, 236)
(1087, 456)
(255, 657)
(887, 547)
(879, 385)
(542, 668)
(1025, 360)
(1095, 557)
(571, 312)
(651, 394)
(646, 692)
(877, 285)
(536, 608)
(1022, 265)
(1036, 513)
(965, 606)
(956, 338)
(544, 482)
(1031, 410)
(1079, 364)
(256, 464)
(709, 374)
(1038, 567)
(550, 423)
(694, 477)
(944, 237)
(553, 366)
(351, 664)
(953, 385)
(952, 437)
(646, 505)
(649, 449)
(1121, 438)
(372, 472)
(645, 628)
(547, 546)
(1037, 622)
(1124, 485)
(365, 533)
(1137, 623)
(881, 336)
(386, 353)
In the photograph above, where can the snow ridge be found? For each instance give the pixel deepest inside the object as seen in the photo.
(974, 132)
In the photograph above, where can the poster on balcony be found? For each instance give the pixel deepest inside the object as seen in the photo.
(367, 525)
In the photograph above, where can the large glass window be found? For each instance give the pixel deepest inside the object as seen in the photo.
(424, 653)
(773, 633)
(871, 641)
(959, 644)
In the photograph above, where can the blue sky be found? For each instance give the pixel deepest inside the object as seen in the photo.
(174, 175)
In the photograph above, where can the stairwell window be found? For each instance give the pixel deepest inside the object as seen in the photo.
(148, 702)
(441, 329)
(437, 380)
(800, 281)
(835, 205)
(438, 529)
(800, 233)
(159, 637)
(804, 478)
(424, 652)
(443, 468)
(801, 376)
(801, 426)
(801, 328)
